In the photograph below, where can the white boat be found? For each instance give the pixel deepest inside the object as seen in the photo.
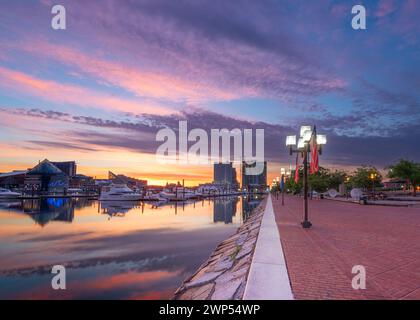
(179, 195)
(119, 192)
(10, 205)
(168, 195)
(7, 194)
(154, 197)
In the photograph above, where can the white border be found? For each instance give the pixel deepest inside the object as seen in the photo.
(268, 278)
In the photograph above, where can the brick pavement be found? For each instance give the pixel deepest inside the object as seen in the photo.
(385, 240)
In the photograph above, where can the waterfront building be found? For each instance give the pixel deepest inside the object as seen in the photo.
(132, 183)
(395, 184)
(83, 182)
(46, 177)
(235, 179)
(68, 167)
(225, 174)
(214, 189)
(254, 183)
(14, 180)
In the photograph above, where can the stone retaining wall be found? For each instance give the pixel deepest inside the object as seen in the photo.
(223, 276)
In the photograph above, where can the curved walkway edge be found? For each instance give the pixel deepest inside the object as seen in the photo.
(268, 278)
(223, 276)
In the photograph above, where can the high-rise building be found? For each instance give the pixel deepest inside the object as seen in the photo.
(224, 174)
(257, 182)
(235, 179)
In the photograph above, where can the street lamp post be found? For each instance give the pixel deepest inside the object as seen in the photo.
(303, 147)
(373, 177)
(282, 184)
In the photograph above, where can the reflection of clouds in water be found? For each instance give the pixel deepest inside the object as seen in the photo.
(54, 237)
(146, 250)
(156, 248)
(110, 278)
(97, 282)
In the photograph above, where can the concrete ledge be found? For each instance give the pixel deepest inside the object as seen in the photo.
(224, 275)
(268, 278)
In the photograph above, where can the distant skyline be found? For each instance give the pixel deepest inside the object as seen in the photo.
(99, 91)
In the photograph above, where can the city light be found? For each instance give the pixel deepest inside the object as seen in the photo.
(321, 139)
(290, 141)
(304, 147)
(304, 129)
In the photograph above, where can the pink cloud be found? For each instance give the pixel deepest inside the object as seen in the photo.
(72, 94)
(139, 82)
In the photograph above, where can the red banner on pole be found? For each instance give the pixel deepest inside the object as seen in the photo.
(297, 169)
(314, 167)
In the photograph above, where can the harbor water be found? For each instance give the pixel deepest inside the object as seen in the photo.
(111, 250)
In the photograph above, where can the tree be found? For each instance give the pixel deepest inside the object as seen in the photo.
(365, 177)
(336, 179)
(320, 181)
(324, 180)
(407, 170)
(292, 186)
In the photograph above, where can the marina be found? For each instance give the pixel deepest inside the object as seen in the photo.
(111, 249)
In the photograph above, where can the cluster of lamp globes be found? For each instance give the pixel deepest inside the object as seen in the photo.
(306, 133)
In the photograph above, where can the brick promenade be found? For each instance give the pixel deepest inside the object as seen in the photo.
(385, 240)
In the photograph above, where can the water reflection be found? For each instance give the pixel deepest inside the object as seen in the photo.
(118, 208)
(112, 250)
(224, 209)
(249, 204)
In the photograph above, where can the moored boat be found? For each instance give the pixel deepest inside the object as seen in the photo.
(119, 192)
(7, 194)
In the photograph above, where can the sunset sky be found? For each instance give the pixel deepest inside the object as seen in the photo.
(99, 91)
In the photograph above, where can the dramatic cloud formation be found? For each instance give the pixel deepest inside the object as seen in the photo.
(123, 69)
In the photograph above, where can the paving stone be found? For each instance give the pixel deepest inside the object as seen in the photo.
(215, 257)
(246, 250)
(240, 292)
(222, 250)
(186, 295)
(320, 260)
(233, 275)
(224, 274)
(204, 279)
(225, 263)
(226, 290)
(203, 293)
(242, 262)
(240, 241)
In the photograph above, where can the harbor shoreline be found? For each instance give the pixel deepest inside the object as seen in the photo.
(224, 274)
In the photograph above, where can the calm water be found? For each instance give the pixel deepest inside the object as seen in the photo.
(110, 250)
